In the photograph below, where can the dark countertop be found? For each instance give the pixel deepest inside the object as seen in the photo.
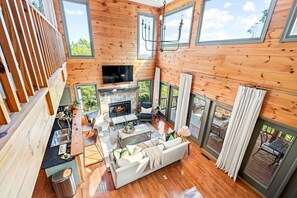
(51, 157)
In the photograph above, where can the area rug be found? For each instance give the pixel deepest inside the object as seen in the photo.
(191, 193)
(135, 139)
(92, 155)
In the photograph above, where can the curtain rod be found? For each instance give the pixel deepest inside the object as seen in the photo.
(239, 83)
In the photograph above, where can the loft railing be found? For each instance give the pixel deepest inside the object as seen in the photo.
(31, 50)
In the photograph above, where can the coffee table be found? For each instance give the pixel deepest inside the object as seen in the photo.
(139, 129)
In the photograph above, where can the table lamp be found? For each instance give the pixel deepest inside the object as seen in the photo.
(184, 132)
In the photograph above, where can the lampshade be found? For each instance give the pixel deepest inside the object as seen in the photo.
(185, 131)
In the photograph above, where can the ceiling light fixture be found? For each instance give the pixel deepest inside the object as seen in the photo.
(163, 42)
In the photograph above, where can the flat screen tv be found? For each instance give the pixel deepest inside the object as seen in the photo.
(117, 73)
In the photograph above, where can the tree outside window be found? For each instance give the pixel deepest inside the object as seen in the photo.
(76, 21)
(144, 91)
(86, 95)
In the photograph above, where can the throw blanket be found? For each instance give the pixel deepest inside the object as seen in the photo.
(155, 156)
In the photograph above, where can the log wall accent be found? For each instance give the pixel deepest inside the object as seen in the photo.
(219, 69)
(114, 26)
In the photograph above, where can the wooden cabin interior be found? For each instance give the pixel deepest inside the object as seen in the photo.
(148, 98)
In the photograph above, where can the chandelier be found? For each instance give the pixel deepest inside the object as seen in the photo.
(162, 43)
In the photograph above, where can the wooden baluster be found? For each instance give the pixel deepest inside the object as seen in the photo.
(24, 6)
(14, 38)
(4, 114)
(41, 43)
(7, 85)
(12, 61)
(44, 40)
(24, 43)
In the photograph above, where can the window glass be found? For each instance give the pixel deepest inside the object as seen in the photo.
(76, 26)
(145, 47)
(234, 20)
(86, 95)
(218, 129)
(163, 98)
(196, 115)
(172, 22)
(144, 91)
(268, 153)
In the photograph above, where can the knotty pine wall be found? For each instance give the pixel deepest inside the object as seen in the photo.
(114, 26)
(270, 64)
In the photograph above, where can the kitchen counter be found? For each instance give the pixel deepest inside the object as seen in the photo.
(51, 157)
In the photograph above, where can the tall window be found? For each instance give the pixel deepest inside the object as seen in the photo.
(86, 95)
(144, 91)
(290, 31)
(172, 21)
(242, 21)
(145, 48)
(76, 21)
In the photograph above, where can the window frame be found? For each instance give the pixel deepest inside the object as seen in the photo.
(191, 29)
(139, 36)
(97, 96)
(64, 22)
(286, 37)
(151, 88)
(235, 41)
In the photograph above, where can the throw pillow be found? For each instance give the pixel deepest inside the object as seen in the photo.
(172, 143)
(125, 153)
(129, 159)
(146, 110)
(131, 148)
(170, 138)
(171, 135)
(117, 153)
(137, 149)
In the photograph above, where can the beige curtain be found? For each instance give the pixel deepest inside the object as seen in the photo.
(244, 116)
(156, 87)
(184, 93)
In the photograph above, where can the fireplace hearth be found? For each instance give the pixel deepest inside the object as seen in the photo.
(119, 108)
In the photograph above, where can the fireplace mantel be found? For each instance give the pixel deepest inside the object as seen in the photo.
(112, 90)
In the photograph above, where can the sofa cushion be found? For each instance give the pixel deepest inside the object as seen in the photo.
(172, 143)
(131, 148)
(137, 149)
(124, 161)
(146, 110)
(161, 147)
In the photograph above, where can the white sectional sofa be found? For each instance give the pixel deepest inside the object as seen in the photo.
(131, 172)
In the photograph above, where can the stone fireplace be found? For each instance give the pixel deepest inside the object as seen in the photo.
(119, 108)
(118, 101)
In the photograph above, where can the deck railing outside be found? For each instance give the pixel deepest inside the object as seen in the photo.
(31, 50)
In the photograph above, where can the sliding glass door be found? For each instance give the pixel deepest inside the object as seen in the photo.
(197, 116)
(270, 159)
(164, 96)
(216, 130)
(173, 97)
(168, 102)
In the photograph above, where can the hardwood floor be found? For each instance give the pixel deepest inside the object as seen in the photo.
(192, 170)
